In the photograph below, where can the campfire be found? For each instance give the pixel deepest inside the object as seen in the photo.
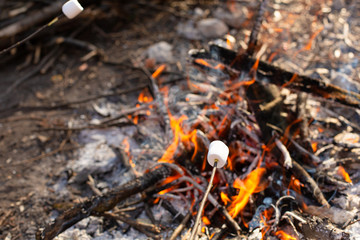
(291, 171)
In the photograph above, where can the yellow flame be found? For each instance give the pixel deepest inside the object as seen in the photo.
(246, 187)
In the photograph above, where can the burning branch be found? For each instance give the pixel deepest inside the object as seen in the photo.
(281, 77)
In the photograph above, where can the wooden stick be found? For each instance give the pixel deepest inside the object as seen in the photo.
(300, 173)
(181, 226)
(31, 20)
(202, 205)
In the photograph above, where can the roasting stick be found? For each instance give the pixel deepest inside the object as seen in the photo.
(70, 9)
(217, 156)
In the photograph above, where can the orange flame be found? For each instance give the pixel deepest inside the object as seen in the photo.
(144, 97)
(246, 187)
(342, 172)
(296, 185)
(126, 144)
(205, 220)
(314, 146)
(237, 85)
(179, 136)
(272, 56)
(224, 198)
(284, 236)
(293, 78)
(158, 71)
(309, 44)
(256, 65)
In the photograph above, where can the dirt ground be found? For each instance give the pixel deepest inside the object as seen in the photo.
(65, 81)
(33, 148)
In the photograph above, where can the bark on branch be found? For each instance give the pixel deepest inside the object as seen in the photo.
(99, 204)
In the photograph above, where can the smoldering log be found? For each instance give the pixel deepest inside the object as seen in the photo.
(269, 73)
(99, 204)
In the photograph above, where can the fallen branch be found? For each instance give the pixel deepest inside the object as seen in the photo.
(100, 204)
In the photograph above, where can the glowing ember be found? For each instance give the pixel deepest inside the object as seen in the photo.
(237, 85)
(158, 71)
(293, 78)
(314, 146)
(256, 65)
(203, 62)
(246, 187)
(145, 96)
(341, 171)
(296, 185)
(308, 46)
(205, 220)
(284, 236)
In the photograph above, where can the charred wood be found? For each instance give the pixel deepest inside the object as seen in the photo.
(303, 125)
(316, 228)
(252, 44)
(280, 77)
(100, 204)
(267, 104)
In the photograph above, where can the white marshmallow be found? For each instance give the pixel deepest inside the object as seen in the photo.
(72, 8)
(217, 150)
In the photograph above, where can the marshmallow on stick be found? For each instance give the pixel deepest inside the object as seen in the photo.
(72, 8)
(219, 152)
